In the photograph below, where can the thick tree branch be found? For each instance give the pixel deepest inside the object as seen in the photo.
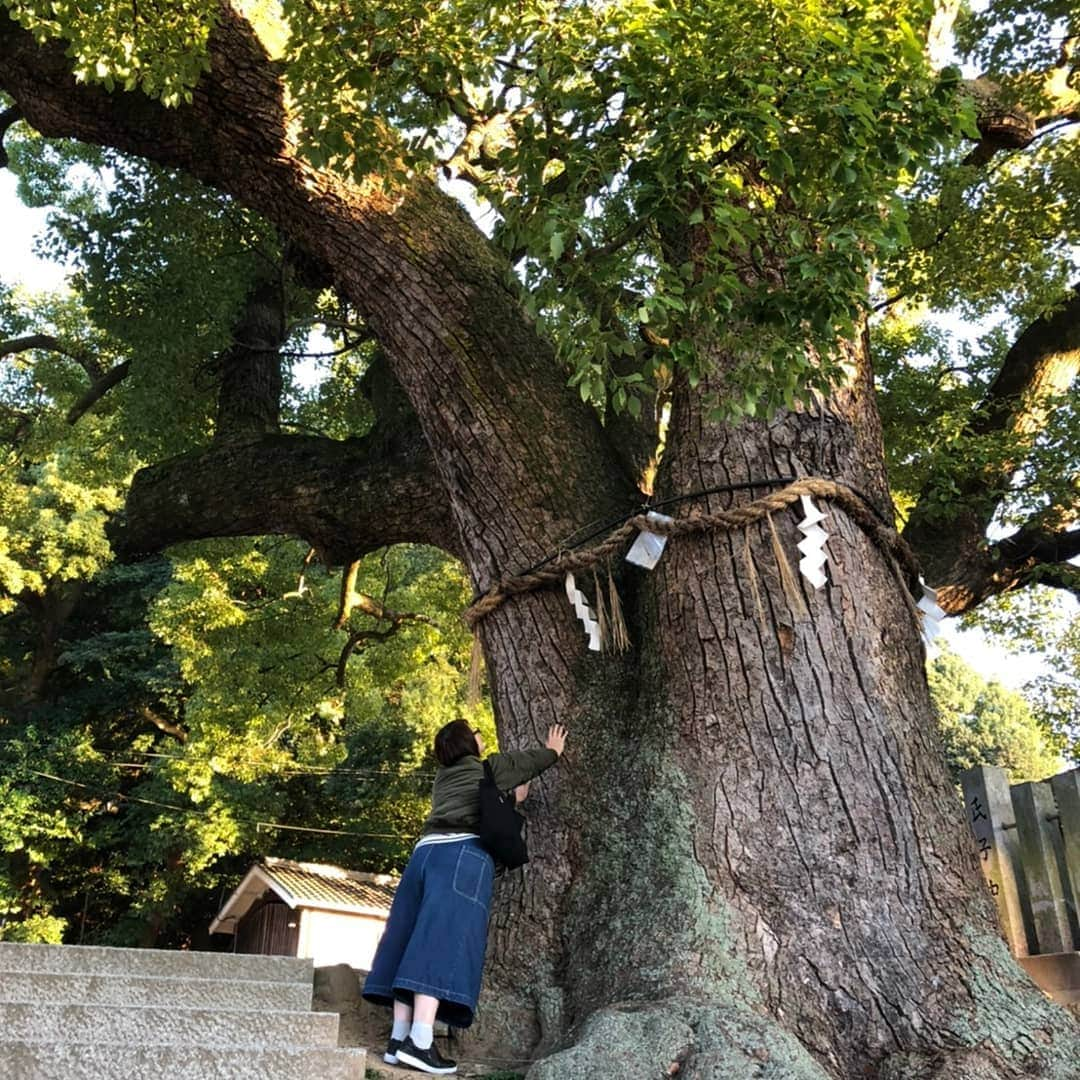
(249, 371)
(49, 343)
(343, 498)
(1036, 547)
(1030, 556)
(162, 724)
(1003, 125)
(1063, 576)
(1042, 364)
(98, 389)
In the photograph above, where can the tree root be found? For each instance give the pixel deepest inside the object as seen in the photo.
(1033, 1059)
(690, 1040)
(680, 1039)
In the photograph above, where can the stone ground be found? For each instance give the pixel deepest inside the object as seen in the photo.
(379, 1068)
(337, 989)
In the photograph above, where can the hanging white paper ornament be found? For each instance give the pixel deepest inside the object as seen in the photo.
(583, 612)
(649, 546)
(932, 615)
(812, 545)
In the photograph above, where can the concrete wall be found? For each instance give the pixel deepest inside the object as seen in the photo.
(332, 937)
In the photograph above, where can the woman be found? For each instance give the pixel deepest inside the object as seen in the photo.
(431, 955)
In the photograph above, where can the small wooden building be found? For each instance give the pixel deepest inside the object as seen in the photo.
(286, 908)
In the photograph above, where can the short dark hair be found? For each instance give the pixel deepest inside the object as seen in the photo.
(455, 741)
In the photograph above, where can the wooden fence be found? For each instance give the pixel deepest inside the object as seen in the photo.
(1028, 839)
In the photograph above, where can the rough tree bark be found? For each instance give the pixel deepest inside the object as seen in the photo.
(751, 862)
(48, 612)
(249, 371)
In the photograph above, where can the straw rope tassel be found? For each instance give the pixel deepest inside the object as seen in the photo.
(787, 578)
(620, 637)
(476, 663)
(753, 578)
(602, 622)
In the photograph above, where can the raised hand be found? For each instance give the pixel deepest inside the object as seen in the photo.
(556, 738)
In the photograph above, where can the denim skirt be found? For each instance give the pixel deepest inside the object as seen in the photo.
(436, 935)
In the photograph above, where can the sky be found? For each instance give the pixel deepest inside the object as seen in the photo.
(19, 226)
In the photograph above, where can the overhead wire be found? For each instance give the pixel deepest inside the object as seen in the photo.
(296, 767)
(194, 811)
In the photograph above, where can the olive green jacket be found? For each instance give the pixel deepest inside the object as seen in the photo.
(455, 795)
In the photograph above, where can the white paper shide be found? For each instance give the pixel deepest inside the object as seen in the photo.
(649, 546)
(812, 545)
(932, 614)
(583, 612)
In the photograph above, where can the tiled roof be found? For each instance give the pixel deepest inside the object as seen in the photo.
(315, 885)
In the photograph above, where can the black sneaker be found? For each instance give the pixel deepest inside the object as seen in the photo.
(390, 1057)
(429, 1060)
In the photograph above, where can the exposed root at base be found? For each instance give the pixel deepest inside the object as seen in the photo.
(683, 1040)
(688, 1040)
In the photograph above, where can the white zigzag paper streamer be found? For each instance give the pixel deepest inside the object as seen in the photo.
(583, 612)
(932, 614)
(812, 545)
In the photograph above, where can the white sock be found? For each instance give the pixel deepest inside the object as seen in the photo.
(400, 1029)
(422, 1035)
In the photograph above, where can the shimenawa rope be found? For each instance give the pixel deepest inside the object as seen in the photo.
(900, 557)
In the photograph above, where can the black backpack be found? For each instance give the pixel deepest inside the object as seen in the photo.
(500, 824)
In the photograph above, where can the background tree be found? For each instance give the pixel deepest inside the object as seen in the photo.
(1038, 624)
(695, 198)
(163, 718)
(983, 723)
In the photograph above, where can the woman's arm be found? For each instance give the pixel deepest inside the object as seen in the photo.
(517, 766)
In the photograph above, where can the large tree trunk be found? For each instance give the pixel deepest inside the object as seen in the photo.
(754, 858)
(751, 861)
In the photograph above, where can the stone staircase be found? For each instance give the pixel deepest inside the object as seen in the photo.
(70, 1012)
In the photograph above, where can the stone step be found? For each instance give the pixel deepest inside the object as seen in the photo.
(85, 989)
(122, 1061)
(164, 963)
(164, 1026)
